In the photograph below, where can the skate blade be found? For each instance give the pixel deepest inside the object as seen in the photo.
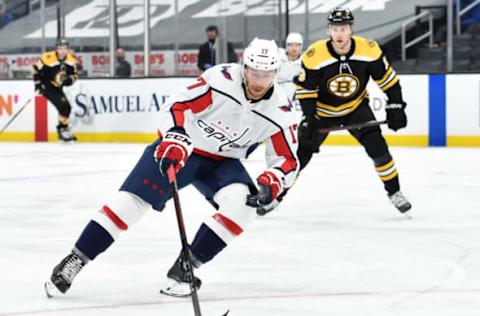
(176, 289)
(50, 289)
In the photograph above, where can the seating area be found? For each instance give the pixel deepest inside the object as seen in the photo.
(466, 55)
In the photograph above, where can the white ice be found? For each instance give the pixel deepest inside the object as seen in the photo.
(335, 246)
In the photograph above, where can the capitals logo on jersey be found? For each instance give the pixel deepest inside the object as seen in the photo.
(224, 135)
(225, 72)
(286, 108)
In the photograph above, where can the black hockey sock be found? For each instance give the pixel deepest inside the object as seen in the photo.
(94, 240)
(206, 244)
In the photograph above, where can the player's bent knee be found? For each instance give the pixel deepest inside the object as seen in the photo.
(122, 212)
(374, 143)
(234, 215)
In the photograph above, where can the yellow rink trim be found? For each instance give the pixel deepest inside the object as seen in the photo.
(17, 137)
(127, 137)
(463, 141)
(113, 137)
(392, 140)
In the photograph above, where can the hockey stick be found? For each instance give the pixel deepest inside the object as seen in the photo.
(15, 116)
(183, 237)
(353, 126)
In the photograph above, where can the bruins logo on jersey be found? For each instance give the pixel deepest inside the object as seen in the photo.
(343, 85)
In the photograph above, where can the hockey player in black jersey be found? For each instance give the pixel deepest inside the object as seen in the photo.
(54, 70)
(332, 92)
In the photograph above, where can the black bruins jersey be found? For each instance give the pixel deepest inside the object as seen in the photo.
(50, 71)
(337, 84)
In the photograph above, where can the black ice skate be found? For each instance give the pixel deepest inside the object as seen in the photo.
(400, 202)
(179, 279)
(63, 275)
(65, 134)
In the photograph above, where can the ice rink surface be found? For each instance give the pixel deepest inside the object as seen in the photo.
(335, 246)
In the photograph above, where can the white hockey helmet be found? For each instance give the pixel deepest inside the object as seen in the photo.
(261, 54)
(294, 38)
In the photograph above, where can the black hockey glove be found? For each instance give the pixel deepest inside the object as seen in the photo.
(305, 130)
(309, 137)
(396, 116)
(39, 88)
(68, 81)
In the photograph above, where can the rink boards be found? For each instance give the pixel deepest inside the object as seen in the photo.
(443, 110)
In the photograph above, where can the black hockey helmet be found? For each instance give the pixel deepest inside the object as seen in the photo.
(61, 42)
(340, 16)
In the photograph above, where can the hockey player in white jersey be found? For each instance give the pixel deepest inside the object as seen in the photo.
(206, 129)
(290, 63)
(290, 67)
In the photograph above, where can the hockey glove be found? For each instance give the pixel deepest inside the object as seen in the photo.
(174, 150)
(269, 187)
(68, 81)
(39, 88)
(396, 116)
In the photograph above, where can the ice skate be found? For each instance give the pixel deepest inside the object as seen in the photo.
(65, 134)
(400, 202)
(179, 280)
(63, 275)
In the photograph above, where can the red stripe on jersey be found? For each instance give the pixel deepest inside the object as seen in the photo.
(230, 225)
(178, 110)
(196, 105)
(201, 103)
(282, 149)
(115, 219)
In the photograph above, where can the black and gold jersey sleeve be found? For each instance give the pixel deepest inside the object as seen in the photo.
(380, 68)
(72, 74)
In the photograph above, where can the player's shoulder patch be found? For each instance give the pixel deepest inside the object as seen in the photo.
(366, 49)
(70, 59)
(49, 58)
(316, 55)
(226, 72)
(280, 108)
(223, 73)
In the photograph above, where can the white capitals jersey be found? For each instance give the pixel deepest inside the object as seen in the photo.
(220, 120)
(288, 69)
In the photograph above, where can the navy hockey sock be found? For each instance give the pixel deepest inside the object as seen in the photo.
(206, 244)
(94, 240)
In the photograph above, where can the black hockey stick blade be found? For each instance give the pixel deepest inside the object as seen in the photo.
(352, 126)
(15, 116)
(226, 313)
(183, 237)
